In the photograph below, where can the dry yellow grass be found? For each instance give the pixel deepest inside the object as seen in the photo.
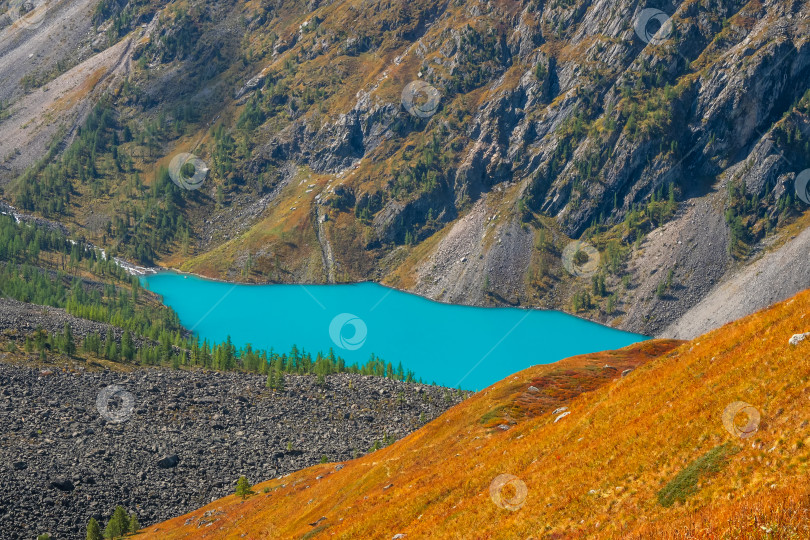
(594, 473)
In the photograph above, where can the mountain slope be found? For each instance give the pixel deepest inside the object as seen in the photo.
(555, 121)
(646, 454)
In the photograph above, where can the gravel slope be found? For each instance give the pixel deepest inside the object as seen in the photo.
(776, 276)
(189, 437)
(694, 245)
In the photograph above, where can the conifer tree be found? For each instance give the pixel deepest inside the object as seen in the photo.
(93, 530)
(118, 524)
(400, 372)
(70, 345)
(243, 488)
(110, 348)
(134, 524)
(127, 347)
(278, 364)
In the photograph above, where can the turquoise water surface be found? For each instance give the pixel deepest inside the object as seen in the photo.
(449, 344)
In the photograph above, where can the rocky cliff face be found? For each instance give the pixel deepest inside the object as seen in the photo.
(455, 149)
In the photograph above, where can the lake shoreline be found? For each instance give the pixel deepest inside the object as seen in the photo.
(450, 344)
(163, 269)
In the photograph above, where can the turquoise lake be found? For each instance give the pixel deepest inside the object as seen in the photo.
(452, 345)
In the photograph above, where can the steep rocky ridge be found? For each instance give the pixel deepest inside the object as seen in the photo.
(70, 67)
(555, 119)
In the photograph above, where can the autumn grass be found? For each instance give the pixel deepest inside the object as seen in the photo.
(600, 472)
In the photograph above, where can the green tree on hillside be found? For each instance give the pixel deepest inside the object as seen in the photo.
(70, 345)
(127, 347)
(580, 258)
(134, 524)
(243, 488)
(93, 530)
(118, 525)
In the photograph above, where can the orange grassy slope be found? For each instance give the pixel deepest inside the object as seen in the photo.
(645, 455)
